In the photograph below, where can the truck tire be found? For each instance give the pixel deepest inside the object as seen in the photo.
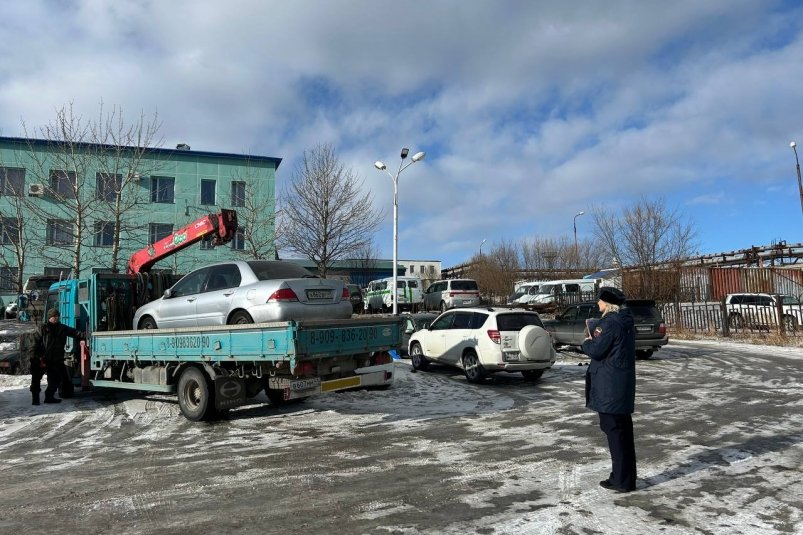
(195, 397)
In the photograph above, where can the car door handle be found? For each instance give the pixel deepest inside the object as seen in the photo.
(230, 292)
(191, 299)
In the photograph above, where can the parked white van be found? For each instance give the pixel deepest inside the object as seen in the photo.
(408, 293)
(525, 292)
(574, 289)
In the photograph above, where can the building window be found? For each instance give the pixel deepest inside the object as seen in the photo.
(12, 181)
(421, 269)
(158, 231)
(63, 183)
(208, 192)
(238, 193)
(107, 186)
(8, 278)
(60, 272)
(162, 189)
(104, 234)
(412, 269)
(59, 232)
(10, 231)
(238, 242)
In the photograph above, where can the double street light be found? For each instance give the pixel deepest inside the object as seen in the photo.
(799, 182)
(417, 157)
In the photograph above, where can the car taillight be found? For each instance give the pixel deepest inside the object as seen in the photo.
(282, 295)
(662, 328)
(494, 336)
(346, 293)
(452, 294)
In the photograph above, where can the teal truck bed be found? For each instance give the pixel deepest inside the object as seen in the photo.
(216, 368)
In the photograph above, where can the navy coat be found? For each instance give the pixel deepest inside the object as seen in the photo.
(611, 375)
(53, 338)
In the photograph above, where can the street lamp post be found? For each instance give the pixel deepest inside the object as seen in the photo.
(481, 244)
(576, 256)
(799, 182)
(417, 157)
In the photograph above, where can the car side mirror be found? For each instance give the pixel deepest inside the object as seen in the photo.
(409, 330)
(168, 294)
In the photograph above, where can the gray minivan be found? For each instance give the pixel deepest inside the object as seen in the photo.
(452, 293)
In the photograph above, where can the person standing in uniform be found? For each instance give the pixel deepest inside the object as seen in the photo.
(52, 338)
(611, 385)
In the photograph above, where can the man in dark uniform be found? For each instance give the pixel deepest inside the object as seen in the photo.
(611, 384)
(52, 338)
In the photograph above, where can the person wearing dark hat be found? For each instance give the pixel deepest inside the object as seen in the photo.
(611, 385)
(52, 337)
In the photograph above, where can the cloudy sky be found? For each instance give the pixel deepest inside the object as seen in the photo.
(529, 111)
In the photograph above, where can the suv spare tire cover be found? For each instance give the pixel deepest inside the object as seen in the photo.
(535, 343)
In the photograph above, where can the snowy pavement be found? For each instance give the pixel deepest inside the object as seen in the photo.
(719, 437)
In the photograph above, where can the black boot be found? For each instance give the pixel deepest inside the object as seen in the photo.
(35, 397)
(51, 399)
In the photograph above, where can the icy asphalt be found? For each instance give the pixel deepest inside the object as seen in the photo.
(719, 436)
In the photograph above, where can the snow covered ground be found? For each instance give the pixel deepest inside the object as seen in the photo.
(719, 435)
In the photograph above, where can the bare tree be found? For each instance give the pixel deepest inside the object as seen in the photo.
(325, 216)
(366, 260)
(90, 171)
(17, 240)
(647, 235)
(257, 215)
(496, 271)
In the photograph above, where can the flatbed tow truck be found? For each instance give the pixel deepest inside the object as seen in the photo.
(211, 369)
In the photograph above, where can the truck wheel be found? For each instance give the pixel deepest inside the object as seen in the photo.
(241, 317)
(147, 323)
(194, 395)
(532, 375)
(417, 358)
(474, 371)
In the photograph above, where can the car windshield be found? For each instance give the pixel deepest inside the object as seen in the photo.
(267, 270)
(546, 289)
(464, 285)
(412, 284)
(517, 321)
(789, 300)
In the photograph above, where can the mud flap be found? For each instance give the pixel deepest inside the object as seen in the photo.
(229, 392)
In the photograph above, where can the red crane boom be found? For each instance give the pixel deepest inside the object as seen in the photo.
(221, 226)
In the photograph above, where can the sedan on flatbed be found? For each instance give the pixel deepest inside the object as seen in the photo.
(255, 291)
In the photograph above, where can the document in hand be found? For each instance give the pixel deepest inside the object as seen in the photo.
(591, 324)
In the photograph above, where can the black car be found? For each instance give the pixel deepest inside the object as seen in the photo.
(412, 323)
(569, 327)
(355, 296)
(10, 356)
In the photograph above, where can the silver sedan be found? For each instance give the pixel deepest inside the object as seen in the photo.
(237, 292)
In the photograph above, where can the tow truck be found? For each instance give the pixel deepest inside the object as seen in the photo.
(210, 369)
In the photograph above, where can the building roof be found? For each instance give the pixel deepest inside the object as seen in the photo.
(156, 151)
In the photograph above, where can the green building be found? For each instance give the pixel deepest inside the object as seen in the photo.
(71, 209)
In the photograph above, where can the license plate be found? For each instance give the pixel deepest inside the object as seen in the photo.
(513, 355)
(644, 328)
(305, 384)
(319, 294)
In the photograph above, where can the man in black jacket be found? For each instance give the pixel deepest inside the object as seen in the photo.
(611, 385)
(52, 337)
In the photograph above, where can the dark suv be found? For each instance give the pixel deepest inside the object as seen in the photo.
(355, 296)
(568, 327)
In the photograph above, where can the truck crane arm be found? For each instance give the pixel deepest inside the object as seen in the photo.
(221, 226)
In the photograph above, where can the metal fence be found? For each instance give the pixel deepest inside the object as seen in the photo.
(719, 318)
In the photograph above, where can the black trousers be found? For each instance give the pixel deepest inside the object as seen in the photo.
(54, 377)
(619, 430)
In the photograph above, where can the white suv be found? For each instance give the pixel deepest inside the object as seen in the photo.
(485, 340)
(760, 310)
